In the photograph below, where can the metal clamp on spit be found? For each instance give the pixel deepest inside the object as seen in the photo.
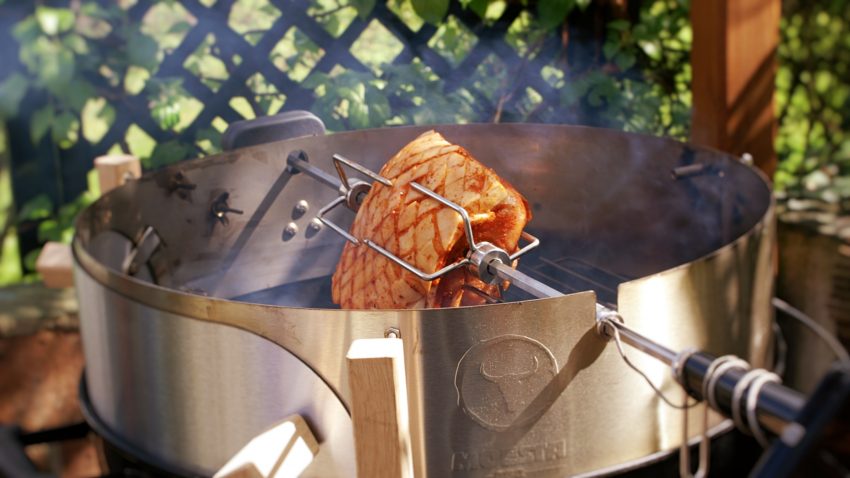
(491, 263)
(754, 398)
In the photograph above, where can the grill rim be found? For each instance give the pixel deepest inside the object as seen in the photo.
(198, 307)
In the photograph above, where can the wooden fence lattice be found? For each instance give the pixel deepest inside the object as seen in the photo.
(35, 166)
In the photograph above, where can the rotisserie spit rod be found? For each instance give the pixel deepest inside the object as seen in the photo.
(297, 163)
(723, 387)
(777, 405)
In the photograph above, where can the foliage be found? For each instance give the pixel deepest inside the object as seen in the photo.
(813, 101)
(10, 265)
(635, 77)
(89, 61)
(91, 57)
(54, 224)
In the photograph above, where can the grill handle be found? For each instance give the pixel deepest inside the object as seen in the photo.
(288, 125)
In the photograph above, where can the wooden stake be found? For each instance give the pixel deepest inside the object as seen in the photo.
(379, 408)
(283, 451)
(114, 170)
(55, 265)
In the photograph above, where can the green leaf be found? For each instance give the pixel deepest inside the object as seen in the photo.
(40, 122)
(166, 114)
(432, 11)
(180, 27)
(619, 25)
(363, 7)
(551, 13)
(53, 21)
(624, 60)
(358, 115)
(77, 93)
(12, 91)
(210, 136)
(39, 207)
(610, 49)
(142, 50)
(49, 230)
(76, 43)
(583, 4)
(379, 107)
(51, 61)
(651, 48)
(169, 152)
(477, 6)
(65, 130)
(26, 31)
(31, 258)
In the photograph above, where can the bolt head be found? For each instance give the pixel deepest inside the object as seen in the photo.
(290, 231)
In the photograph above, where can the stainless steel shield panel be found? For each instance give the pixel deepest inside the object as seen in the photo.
(228, 327)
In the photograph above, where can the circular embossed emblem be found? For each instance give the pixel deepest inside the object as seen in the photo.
(498, 379)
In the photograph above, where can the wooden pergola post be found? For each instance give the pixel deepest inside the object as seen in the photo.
(734, 68)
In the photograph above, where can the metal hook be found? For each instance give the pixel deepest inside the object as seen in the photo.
(481, 256)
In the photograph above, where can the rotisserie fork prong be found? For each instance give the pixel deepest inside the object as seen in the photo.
(481, 257)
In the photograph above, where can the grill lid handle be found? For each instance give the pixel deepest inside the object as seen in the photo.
(288, 125)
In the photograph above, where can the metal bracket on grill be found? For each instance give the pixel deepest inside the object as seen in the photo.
(482, 256)
(141, 253)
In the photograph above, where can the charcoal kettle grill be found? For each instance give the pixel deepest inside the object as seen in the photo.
(206, 316)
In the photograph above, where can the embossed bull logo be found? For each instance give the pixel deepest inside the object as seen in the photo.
(512, 385)
(499, 379)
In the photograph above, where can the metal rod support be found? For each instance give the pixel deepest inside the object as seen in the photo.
(638, 341)
(314, 172)
(522, 281)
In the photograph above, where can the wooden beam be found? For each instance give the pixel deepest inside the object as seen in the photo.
(114, 170)
(734, 68)
(283, 451)
(379, 408)
(55, 264)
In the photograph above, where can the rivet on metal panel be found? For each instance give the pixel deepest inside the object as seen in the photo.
(392, 333)
(747, 159)
(315, 224)
(314, 227)
(290, 231)
(301, 207)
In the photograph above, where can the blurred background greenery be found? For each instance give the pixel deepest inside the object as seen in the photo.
(162, 80)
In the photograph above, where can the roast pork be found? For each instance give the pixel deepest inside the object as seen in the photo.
(424, 232)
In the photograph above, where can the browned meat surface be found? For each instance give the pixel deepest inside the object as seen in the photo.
(425, 233)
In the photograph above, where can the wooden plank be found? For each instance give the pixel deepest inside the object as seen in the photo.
(115, 170)
(734, 67)
(55, 265)
(283, 451)
(379, 408)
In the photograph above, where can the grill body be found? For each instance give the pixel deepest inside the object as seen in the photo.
(227, 328)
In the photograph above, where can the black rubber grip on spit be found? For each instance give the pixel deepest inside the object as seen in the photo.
(777, 405)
